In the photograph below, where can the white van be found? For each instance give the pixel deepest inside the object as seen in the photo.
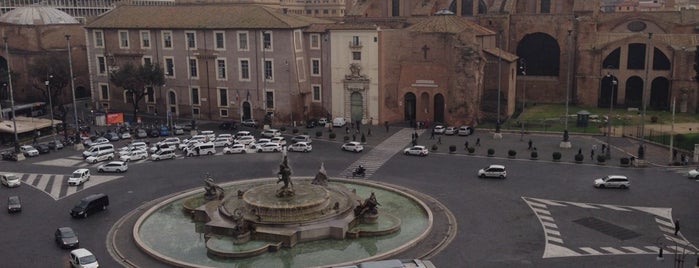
(204, 148)
(79, 177)
(105, 155)
(339, 122)
(98, 149)
(210, 135)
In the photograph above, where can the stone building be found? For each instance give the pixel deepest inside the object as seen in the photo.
(221, 61)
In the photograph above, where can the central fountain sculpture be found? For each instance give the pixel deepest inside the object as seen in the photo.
(282, 217)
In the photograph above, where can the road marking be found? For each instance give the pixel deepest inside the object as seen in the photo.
(590, 251)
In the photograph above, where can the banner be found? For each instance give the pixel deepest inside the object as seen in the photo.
(115, 118)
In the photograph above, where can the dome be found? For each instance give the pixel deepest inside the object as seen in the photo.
(37, 15)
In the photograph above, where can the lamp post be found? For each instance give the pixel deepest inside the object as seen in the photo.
(48, 92)
(78, 144)
(12, 98)
(641, 149)
(566, 142)
(498, 135)
(608, 152)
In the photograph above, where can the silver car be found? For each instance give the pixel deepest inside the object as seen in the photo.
(115, 166)
(613, 181)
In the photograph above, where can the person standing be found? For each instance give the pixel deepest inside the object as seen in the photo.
(478, 141)
(530, 145)
(592, 154)
(385, 123)
(677, 226)
(432, 135)
(466, 145)
(439, 140)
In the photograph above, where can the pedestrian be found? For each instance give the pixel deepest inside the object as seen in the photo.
(346, 129)
(592, 154)
(385, 123)
(478, 141)
(439, 140)
(354, 137)
(579, 150)
(368, 133)
(432, 135)
(677, 226)
(417, 135)
(683, 159)
(466, 145)
(359, 123)
(197, 149)
(530, 145)
(414, 142)
(674, 154)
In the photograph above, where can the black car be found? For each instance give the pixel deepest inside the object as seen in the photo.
(154, 133)
(312, 123)
(227, 126)
(66, 238)
(55, 145)
(14, 204)
(43, 148)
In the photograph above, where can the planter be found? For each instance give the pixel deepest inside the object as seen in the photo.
(579, 158)
(491, 152)
(624, 162)
(534, 156)
(471, 150)
(601, 159)
(331, 135)
(556, 156)
(295, 130)
(434, 147)
(282, 129)
(452, 149)
(346, 138)
(511, 153)
(319, 134)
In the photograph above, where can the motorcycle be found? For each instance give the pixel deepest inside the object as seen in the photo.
(358, 172)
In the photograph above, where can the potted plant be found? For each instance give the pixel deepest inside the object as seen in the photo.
(434, 147)
(295, 130)
(624, 162)
(601, 159)
(511, 153)
(579, 158)
(471, 150)
(332, 135)
(346, 138)
(319, 134)
(452, 149)
(534, 155)
(491, 152)
(556, 156)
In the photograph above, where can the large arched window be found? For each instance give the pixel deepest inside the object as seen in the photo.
(542, 53)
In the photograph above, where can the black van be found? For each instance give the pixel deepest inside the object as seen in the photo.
(89, 205)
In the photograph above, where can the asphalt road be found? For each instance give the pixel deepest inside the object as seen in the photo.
(500, 222)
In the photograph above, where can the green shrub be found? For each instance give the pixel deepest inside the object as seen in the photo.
(534, 154)
(434, 147)
(624, 161)
(332, 135)
(601, 158)
(319, 134)
(452, 148)
(282, 129)
(346, 138)
(295, 130)
(556, 156)
(511, 153)
(491, 152)
(471, 150)
(363, 139)
(579, 157)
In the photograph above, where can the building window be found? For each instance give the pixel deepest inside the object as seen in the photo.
(221, 69)
(220, 40)
(315, 41)
(223, 112)
(355, 41)
(356, 55)
(223, 97)
(167, 39)
(268, 71)
(269, 99)
(195, 96)
(99, 39)
(150, 95)
(145, 39)
(147, 60)
(546, 6)
(123, 39)
(315, 67)
(170, 67)
(191, 38)
(267, 40)
(316, 93)
(242, 40)
(128, 96)
(101, 65)
(195, 111)
(104, 92)
(193, 71)
(244, 69)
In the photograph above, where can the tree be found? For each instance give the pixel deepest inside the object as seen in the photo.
(696, 65)
(137, 82)
(52, 67)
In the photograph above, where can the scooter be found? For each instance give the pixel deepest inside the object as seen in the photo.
(358, 172)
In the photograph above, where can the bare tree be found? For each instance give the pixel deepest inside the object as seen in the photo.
(137, 81)
(53, 68)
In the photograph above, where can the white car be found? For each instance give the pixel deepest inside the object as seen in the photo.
(493, 171)
(353, 146)
(79, 177)
(187, 144)
(322, 121)
(693, 174)
(279, 140)
(100, 140)
(138, 145)
(10, 180)
(125, 135)
(133, 155)
(438, 129)
(615, 181)
(245, 140)
(222, 142)
(107, 156)
(270, 133)
(170, 141)
(241, 133)
(302, 138)
(83, 258)
(451, 131)
(465, 130)
(115, 166)
(225, 135)
(237, 148)
(416, 150)
(269, 147)
(163, 146)
(300, 147)
(29, 150)
(163, 154)
(263, 141)
(178, 130)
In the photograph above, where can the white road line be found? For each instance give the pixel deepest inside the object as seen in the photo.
(665, 223)
(582, 205)
(591, 251)
(613, 250)
(635, 250)
(551, 225)
(543, 206)
(541, 211)
(31, 178)
(56, 186)
(43, 181)
(549, 202)
(553, 232)
(553, 239)
(613, 207)
(547, 218)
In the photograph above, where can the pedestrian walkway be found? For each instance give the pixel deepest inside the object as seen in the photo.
(56, 185)
(377, 156)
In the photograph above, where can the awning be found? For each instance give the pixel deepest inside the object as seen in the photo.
(26, 124)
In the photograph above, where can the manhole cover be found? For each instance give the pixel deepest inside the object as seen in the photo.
(607, 228)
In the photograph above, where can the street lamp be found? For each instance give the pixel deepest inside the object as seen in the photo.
(48, 91)
(566, 142)
(608, 152)
(641, 149)
(523, 71)
(498, 135)
(78, 144)
(12, 98)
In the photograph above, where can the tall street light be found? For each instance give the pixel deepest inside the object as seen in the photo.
(498, 135)
(566, 143)
(523, 71)
(78, 144)
(646, 85)
(12, 98)
(48, 91)
(608, 152)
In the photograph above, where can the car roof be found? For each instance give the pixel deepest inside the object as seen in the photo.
(117, 163)
(81, 170)
(301, 143)
(419, 146)
(617, 177)
(496, 166)
(65, 229)
(81, 252)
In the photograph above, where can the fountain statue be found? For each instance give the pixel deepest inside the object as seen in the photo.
(284, 176)
(322, 176)
(213, 191)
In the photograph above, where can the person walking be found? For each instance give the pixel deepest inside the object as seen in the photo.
(439, 140)
(368, 132)
(385, 123)
(478, 141)
(466, 145)
(592, 154)
(432, 135)
(530, 145)
(677, 226)
(579, 150)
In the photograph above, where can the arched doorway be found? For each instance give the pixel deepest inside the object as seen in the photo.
(409, 102)
(247, 111)
(659, 94)
(356, 106)
(172, 102)
(634, 92)
(439, 108)
(542, 53)
(425, 103)
(608, 87)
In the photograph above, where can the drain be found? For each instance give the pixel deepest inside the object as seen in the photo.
(607, 228)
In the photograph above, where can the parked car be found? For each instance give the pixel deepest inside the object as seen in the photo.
(162, 146)
(270, 133)
(278, 139)
(43, 148)
(613, 181)
(416, 150)
(339, 122)
(90, 204)
(79, 177)
(97, 141)
(141, 133)
(66, 238)
(28, 150)
(154, 133)
(322, 121)
(10, 180)
(465, 130)
(222, 142)
(311, 123)
(269, 147)
(225, 135)
(202, 148)
(115, 166)
(451, 131)
(178, 130)
(83, 258)
(300, 147)
(302, 138)
(439, 129)
(353, 146)
(55, 145)
(693, 174)
(103, 156)
(163, 154)
(245, 140)
(250, 123)
(237, 148)
(493, 171)
(111, 136)
(14, 204)
(241, 133)
(125, 135)
(164, 131)
(227, 126)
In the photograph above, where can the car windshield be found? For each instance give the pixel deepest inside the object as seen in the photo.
(75, 175)
(67, 233)
(88, 259)
(13, 200)
(12, 178)
(83, 204)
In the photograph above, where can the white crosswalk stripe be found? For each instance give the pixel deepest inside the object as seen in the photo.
(376, 157)
(56, 185)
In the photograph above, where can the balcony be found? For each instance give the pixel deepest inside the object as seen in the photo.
(355, 45)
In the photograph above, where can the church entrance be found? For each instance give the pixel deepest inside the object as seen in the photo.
(356, 106)
(409, 102)
(439, 108)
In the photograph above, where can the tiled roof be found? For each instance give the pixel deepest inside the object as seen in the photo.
(497, 52)
(201, 16)
(448, 24)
